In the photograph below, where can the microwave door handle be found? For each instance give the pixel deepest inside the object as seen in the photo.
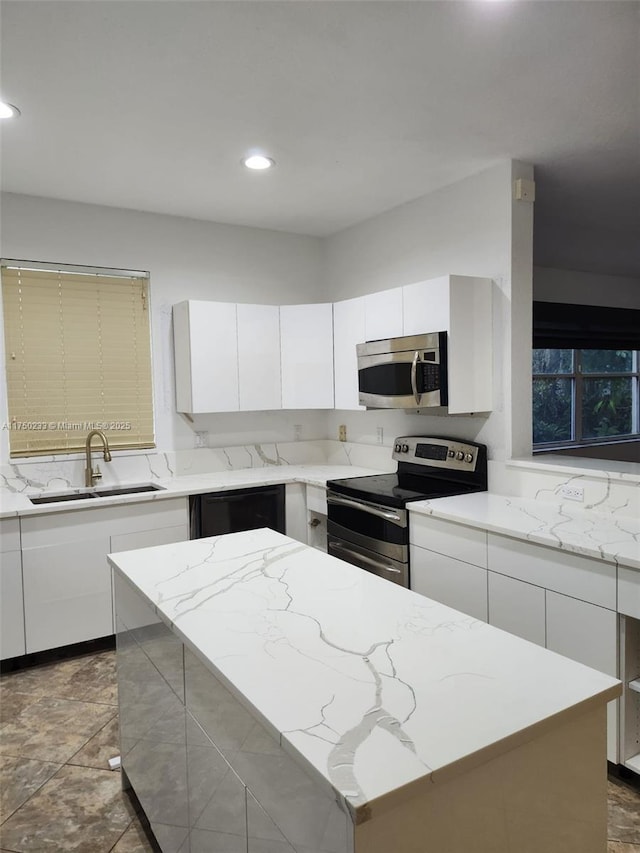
(338, 546)
(414, 377)
(388, 516)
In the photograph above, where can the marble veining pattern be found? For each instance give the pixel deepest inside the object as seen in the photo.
(366, 683)
(615, 539)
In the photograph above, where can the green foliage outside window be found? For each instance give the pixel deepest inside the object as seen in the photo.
(581, 395)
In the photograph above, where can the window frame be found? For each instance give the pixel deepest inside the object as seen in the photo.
(577, 377)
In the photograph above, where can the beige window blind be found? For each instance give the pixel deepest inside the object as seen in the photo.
(78, 357)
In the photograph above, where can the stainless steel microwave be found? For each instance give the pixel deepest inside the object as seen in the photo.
(403, 373)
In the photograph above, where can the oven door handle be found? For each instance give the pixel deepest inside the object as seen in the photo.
(372, 510)
(338, 546)
(414, 377)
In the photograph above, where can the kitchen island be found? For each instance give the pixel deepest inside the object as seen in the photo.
(275, 699)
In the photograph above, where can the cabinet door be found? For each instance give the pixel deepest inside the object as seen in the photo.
(587, 634)
(306, 341)
(296, 511)
(67, 593)
(452, 582)
(425, 306)
(629, 591)
(206, 357)
(11, 606)
(259, 357)
(383, 314)
(517, 607)
(348, 331)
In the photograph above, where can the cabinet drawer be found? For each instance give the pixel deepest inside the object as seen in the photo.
(570, 574)
(451, 582)
(9, 535)
(629, 591)
(453, 540)
(149, 538)
(317, 499)
(54, 528)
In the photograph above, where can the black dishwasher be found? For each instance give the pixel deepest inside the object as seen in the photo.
(236, 510)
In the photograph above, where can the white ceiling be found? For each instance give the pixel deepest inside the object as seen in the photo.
(364, 105)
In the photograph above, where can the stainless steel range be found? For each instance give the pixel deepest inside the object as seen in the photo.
(367, 517)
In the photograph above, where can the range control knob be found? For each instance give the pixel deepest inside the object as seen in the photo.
(451, 454)
(397, 447)
(468, 457)
(460, 455)
(405, 448)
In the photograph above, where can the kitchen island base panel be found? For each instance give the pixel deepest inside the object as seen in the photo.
(546, 795)
(208, 774)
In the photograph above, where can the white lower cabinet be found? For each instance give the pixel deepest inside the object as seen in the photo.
(452, 582)
(587, 634)
(517, 607)
(295, 506)
(67, 591)
(11, 601)
(65, 574)
(583, 632)
(560, 600)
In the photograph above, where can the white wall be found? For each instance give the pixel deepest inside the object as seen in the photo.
(471, 227)
(585, 288)
(187, 259)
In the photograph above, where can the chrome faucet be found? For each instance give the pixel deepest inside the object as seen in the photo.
(90, 475)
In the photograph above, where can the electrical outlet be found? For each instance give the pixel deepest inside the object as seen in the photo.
(201, 439)
(572, 493)
(380, 434)
(342, 432)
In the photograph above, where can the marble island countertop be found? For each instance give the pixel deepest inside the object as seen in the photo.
(609, 537)
(379, 692)
(15, 501)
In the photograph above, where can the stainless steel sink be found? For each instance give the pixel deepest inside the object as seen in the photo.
(54, 499)
(127, 490)
(96, 493)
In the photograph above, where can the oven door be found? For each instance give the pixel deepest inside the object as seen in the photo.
(372, 536)
(377, 564)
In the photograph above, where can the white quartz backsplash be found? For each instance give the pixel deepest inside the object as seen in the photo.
(56, 473)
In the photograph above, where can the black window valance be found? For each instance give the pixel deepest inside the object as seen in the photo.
(558, 325)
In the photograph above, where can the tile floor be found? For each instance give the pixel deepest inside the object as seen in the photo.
(58, 729)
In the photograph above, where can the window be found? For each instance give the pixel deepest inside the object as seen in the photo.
(78, 357)
(585, 396)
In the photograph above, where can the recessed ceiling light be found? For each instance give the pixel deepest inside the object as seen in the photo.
(258, 162)
(8, 110)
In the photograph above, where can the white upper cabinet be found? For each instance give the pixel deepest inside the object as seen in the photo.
(348, 331)
(383, 315)
(306, 343)
(206, 357)
(259, 357)
(461, 306)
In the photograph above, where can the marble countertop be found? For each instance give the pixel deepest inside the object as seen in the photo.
(378, 691)
(615, 539)
(17, 502)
